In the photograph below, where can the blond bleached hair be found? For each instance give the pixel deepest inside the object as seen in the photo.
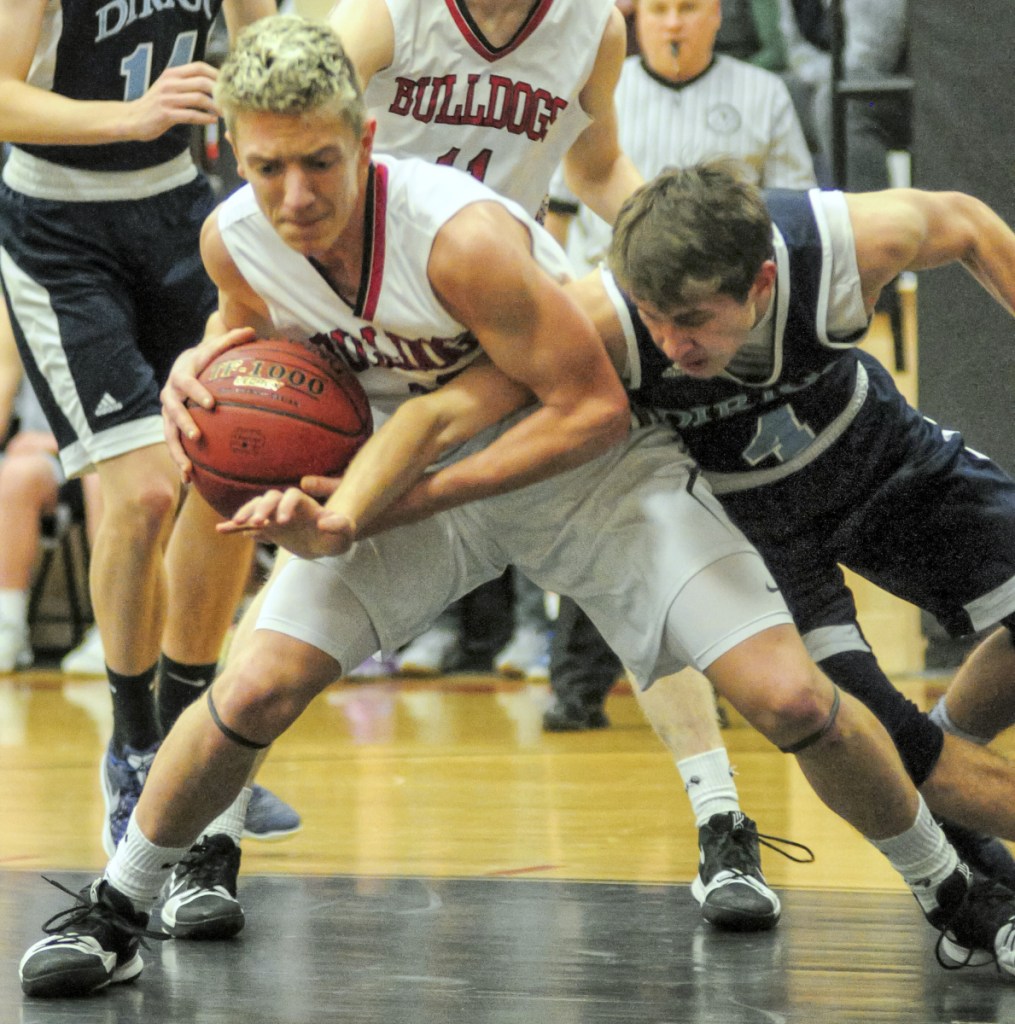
(285, 64)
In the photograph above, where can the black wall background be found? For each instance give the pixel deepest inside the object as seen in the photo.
(964, 138)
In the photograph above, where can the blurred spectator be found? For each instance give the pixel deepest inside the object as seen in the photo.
(31, 485)
(751, 31)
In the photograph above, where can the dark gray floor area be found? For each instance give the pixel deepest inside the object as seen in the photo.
(511, 951)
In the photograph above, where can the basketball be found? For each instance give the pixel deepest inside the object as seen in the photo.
(282, 411)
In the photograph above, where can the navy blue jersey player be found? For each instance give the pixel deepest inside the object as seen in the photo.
(101, 207)
(742, 336)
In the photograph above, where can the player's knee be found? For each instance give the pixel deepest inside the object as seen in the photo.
(797, 710)
(28, 478)
(259, 701)
(143, 511)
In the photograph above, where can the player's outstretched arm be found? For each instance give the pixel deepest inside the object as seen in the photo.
(426, 426)
(910, 229)
(371, 496)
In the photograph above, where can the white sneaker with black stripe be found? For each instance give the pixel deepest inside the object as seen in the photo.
(730, 887)
(201, 898)
(91, 945)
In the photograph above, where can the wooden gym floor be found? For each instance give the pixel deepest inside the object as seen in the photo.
(459, 865)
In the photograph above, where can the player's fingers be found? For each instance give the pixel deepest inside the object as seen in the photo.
(257, 512)
(320, 486)
(176, 452)
(293, 504)
(211, 348)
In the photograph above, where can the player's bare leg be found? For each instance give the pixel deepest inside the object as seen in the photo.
(980, 701)
(203, 765)
(973, 786)
(140, 494)
(207, 573)
(730, 885)
(854, 767)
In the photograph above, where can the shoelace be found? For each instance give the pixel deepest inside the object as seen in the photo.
(208, 865)
(777, 843)
(736, 855)
(984, 891)
(85, 912)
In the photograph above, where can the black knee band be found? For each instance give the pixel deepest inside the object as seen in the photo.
(230, 734)
(809, 741)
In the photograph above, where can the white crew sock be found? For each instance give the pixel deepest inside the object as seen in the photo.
(708, 779)
(230, 821)
(138, 868)
(14, 607)
(922, 855)
(939, 715)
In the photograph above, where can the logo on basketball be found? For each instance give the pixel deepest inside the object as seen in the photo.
(283, 410)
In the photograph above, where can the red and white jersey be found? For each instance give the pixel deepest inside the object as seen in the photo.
(507, 115)
(397, 337)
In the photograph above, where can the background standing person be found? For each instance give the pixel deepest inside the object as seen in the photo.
(100, 210)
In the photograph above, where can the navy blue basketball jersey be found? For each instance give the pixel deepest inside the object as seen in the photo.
(769, 426)
(115, 51)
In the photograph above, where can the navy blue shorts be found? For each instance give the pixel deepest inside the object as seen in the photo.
(899, 501)
(103, 297)
(905, 504)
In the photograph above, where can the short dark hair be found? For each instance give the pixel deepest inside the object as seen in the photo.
(692, 233)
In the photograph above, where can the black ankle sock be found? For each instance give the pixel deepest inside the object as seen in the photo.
(179, 686)
(134, 721)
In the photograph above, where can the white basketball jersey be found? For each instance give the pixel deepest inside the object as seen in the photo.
(506, 115)
(397, 337)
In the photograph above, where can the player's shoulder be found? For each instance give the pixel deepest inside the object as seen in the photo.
(236, 207)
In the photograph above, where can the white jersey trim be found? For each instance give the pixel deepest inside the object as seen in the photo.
(41, 179)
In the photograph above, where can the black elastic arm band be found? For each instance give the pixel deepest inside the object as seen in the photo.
(230, 734)
(809, 741)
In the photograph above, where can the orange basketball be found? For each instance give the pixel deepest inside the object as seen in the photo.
(282, 411)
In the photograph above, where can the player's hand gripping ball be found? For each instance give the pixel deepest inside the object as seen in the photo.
(282, 411)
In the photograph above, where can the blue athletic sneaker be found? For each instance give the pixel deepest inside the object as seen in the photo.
(269, 817)
(122, 779)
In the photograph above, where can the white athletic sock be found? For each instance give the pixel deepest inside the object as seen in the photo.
(14, 607)
(939, 715)
(230, 821)
(922, 855)
(139, 868)
(708, 779)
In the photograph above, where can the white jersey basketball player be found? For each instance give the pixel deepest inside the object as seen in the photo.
(505, 91)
